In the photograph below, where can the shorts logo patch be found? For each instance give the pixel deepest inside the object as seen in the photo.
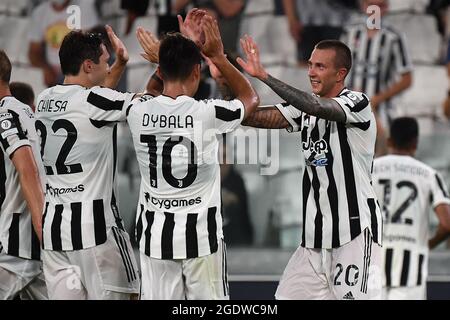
(348, 296)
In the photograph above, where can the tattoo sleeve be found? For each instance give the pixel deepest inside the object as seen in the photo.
(319, 107)
(267, 118)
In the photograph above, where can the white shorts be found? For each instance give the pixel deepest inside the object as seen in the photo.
(350, 272)
(202, 278)
(24, 276)
(405, 293)
(105, 272)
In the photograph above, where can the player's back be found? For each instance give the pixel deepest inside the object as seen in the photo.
(404, 187)
(79, 155)
(17, 128)
(177, 150)
(407, 190)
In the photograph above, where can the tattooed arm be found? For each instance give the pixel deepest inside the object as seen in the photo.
(267, 118)
(320, 107)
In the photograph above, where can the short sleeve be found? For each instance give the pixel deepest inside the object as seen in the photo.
(439, 191)
(12, 136)
(356, 106)
(401, 56)
(228, 115)
(108, 105)
(292, 115)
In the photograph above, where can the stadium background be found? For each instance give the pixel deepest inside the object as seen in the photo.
(274, 201)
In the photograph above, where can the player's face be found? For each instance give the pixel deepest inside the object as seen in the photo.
(101, 70)
(323, 74)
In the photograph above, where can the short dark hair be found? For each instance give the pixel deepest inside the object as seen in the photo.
(22, 92)
(5, 67)
(178, 56)
(77, 47)
(404, 132)
(343, 52)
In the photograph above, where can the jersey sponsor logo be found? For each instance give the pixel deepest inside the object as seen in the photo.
(58, 191)
(319, 147)
(172, 203)
(52, 105)
(163, 121)
(322, 162)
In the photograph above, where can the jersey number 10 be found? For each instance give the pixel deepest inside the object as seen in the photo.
(168, 146)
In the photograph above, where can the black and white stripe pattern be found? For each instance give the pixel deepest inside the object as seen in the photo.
(367, 256)
(408, 190)
(160, 234)
(338, 198)
(378, 60)
(226, 289)
(404, 268)
(17, 130)
(82, 235)
(82, 203)
(126, 254)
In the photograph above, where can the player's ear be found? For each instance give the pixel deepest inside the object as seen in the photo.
(159, 73)
(87, 66)
(196, 71)
(341, 74)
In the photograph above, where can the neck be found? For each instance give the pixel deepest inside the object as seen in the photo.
(4, 91)
(80, 80)
(335, 91)
(176, 88)
(403, 152)
(372, 32)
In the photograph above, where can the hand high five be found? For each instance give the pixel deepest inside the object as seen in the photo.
(118, 46)
(213, 46)
(149, 43)
(191, 26)
(253, 64)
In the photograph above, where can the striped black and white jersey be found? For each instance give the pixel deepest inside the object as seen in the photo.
(407, 190)
(17, 130)
(338, 199)
(179, 214)
(377, 61)
(79, 156)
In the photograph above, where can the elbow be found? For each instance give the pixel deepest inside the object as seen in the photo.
(407, 80)
(253, 102)
(445, 225)
(256, 101)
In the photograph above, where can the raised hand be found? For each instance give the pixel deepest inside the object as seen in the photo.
(149, 43)
(213, 70)
(253, 64)
(191, 26)
(213, 46)
(119, 48)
